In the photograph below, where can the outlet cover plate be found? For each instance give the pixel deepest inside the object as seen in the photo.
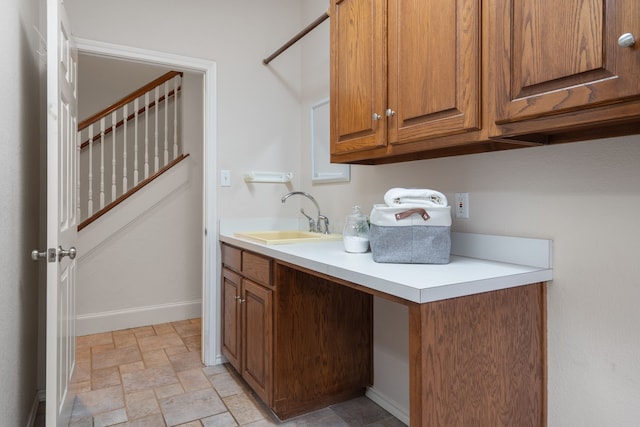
(462, 206)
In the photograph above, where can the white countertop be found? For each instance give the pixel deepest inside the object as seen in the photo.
(479, 263)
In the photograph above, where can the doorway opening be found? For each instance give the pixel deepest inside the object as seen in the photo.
(136, 63)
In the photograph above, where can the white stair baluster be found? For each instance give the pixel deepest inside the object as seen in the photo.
(125, 117)
(113, 157)
(156, 159)
(175, 116)
(135, 142)
(166, 123)
(102, 163)
(90, 176)
(151, 100)
(146, 135)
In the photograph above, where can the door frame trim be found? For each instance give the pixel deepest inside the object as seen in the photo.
(211, 353)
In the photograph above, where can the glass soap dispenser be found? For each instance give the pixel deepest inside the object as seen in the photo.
(355, 235)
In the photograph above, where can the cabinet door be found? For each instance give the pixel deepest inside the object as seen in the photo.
(231, 342)
(257, 304)
(434, 68)
(562, 56)
(358, 75)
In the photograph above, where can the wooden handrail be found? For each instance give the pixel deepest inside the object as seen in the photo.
(108, 130)
(127, 99)
(131, 192)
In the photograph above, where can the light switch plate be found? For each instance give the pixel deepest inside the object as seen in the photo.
(225, 178)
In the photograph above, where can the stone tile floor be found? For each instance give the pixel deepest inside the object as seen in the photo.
(152, 376)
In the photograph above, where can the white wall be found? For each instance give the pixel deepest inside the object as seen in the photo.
(258, 106)
(19, 198)
(104, 80)
(585, 196)
(150, 271)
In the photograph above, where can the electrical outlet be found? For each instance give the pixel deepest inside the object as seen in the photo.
(462, 205)
(225, 178)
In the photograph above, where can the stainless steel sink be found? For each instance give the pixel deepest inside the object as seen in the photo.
(280, 237)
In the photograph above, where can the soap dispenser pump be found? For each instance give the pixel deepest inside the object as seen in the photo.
(355, 235)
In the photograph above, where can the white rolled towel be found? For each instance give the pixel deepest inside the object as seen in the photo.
(415, 196)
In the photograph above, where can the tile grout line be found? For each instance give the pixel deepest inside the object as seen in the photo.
(242, 398)
(250, 403)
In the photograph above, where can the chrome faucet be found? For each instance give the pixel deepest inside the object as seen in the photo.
(320, 225)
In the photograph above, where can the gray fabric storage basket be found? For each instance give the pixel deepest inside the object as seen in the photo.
(412, 239)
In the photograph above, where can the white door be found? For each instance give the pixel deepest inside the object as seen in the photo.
(62, 191)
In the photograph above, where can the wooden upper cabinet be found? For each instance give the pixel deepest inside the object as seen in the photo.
(415, 79)
(434, 68)
(561, 58)
(402, 71)
(358, 75)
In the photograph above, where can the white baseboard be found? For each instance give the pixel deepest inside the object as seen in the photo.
(39, 397)
(115, 320)
(220, 359)
(389, 405)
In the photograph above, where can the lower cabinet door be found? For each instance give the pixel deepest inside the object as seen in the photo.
(231, 338)
(257, 327)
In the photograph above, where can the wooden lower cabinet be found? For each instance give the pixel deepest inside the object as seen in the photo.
(302, 342)
(479, 360)
(257, 337)
(247, 326)
(231, 333)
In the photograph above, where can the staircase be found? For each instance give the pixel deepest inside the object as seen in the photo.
(127, 145)
(140, 205)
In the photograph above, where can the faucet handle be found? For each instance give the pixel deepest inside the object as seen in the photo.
(312, 223)
(323, 220)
